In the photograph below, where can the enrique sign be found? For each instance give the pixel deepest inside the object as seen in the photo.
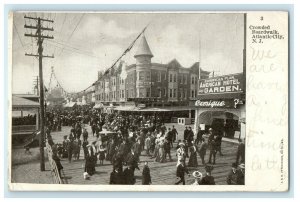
(225, 103)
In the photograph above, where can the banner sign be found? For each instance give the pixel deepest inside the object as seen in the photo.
(223, 103)
(222, 84)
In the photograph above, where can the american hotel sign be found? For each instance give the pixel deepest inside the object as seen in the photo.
(221, 92)
(233, 83)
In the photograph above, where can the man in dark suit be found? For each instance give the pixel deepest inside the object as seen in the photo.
(174, 133)
(146, 177)
(169, 137)
(212, 151)
(137, 148)
(218, 141)
(185, 133)
(202, 150)
(116, 177)
(122, 148)
(180, 172)
(128, 176)
(198, 136)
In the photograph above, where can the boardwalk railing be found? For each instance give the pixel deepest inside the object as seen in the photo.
(54, 170)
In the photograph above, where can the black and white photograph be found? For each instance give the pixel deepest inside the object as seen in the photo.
(130, 98)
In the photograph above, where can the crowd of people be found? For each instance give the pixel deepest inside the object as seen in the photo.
(120, 140)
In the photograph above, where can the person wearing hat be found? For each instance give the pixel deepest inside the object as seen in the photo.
(232, 175)
(180, 172)
(181, 153)
(185, 133)
(190, 137)
(198, 177)
(193, 156)
(208, 179)
(174, 134)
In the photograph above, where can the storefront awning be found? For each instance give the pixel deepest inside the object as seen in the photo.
(153, 109)
(19, 103)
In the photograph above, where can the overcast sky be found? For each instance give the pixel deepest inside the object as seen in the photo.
(84, 44)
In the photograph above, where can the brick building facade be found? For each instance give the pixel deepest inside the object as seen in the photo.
(149, 83)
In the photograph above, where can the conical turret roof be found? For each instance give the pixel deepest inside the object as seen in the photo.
(143, 48)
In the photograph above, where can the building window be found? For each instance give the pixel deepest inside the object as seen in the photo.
(147, 92)
(171, 78)
(158, 76)
(165, 76)
(192, 80)
(159, 92)
(148, 76)
(185, 79)
(174, 93)
(180, 78)
(141, 76)
(170, 90)
(123, 95)
(175, 77)
(192, 94)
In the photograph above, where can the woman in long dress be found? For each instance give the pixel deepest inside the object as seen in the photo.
(162, 152)
(193, 157)
(155, 154)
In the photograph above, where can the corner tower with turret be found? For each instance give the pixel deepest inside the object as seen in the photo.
(143, 57)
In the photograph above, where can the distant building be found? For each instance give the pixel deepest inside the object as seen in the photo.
(147, 83)
(55, 97)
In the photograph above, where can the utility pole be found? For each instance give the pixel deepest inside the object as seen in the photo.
(40, 38)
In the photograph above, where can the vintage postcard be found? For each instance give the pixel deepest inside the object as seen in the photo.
(148, 101)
